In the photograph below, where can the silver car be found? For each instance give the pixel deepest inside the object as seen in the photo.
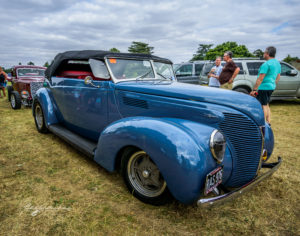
(288, 86)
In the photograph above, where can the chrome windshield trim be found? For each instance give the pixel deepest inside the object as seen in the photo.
(207, 202)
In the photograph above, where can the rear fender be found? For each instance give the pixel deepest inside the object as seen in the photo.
(179, 148)
(43, 97)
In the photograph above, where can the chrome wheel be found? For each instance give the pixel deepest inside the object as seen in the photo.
(144, 175)
(12, 100)
(39, 118)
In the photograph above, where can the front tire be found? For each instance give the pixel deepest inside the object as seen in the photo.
(142, 177)
(39, 118)
(15, 100)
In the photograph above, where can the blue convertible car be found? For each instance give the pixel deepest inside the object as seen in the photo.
(127, 112)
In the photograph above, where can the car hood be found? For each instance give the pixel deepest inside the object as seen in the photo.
(242, 102)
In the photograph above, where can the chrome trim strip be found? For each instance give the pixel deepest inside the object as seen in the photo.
(262, 149)
(207, 202)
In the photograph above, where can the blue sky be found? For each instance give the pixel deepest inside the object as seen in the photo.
(34, 30)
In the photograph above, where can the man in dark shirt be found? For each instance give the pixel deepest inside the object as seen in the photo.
(230, 70)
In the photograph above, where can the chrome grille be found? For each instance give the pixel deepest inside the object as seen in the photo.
(246, 139)
(34, 87)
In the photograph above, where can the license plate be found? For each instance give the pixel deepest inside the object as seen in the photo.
(213, 179)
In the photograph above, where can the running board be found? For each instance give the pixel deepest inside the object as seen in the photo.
(83, 145)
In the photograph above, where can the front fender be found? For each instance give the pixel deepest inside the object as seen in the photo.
(43, 97)
(179, 148)
(269, 140)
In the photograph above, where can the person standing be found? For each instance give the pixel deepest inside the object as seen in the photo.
(229, 72)
(215, 73)
(3, 79)
(268, 77)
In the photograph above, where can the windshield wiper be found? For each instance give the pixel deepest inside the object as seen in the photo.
(144, 75)
(163, 76)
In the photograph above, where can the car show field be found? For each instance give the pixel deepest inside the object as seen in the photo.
(47, 187)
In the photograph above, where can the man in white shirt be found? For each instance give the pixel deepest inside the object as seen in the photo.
(214, 74)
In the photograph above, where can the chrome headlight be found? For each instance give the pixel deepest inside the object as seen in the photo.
(217, 145)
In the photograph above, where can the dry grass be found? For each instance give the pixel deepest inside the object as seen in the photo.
(48, 188)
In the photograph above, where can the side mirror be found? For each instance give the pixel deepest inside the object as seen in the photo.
(292, 72)
(89, 81)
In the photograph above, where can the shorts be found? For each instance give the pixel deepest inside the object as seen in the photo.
(2, 85)
(263, 96)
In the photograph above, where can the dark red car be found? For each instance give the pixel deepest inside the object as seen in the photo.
(26, 80)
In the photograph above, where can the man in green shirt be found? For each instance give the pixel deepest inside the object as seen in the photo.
(268, 77)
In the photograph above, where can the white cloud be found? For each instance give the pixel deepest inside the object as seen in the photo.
(36, 31)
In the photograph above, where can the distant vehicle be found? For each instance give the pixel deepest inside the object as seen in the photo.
(288, 86)
(26, 80)
(126, 112)
(189, 72)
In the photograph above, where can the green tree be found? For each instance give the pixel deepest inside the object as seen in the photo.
(201, 52)
(30, 63)
(139, 47)
(46, 64)
(290, 59)
(20, 63)
(114, 50)
(237, 50)
(258, 53)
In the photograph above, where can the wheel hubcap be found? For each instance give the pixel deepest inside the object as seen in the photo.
(144, 175)
(39, 116)
(12, 100)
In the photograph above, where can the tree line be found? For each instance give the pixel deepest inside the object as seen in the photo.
(204, 52)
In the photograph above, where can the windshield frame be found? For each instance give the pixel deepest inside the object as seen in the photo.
(31, 76)
(156, 76)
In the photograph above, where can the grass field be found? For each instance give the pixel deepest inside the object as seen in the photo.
(48, 188)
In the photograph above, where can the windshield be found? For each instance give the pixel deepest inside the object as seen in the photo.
(124, 69)
(163, 70)
(30, 72)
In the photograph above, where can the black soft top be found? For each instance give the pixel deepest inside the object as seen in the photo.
(95, 54)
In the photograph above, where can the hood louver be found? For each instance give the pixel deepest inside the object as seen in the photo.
(134, 102)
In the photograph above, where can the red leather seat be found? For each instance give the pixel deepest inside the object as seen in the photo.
(76, 74)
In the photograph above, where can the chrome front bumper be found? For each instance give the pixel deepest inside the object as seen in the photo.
(206, 202)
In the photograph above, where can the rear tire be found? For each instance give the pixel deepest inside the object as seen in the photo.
(39, 118)
(9, 90)
(15, 100)
(242, 90)
(142, 177)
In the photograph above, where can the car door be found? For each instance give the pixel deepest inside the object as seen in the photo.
(85, 106)
(241, 74)
(184, 74)
(288, 84)
(204, 72)
(253, 69)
